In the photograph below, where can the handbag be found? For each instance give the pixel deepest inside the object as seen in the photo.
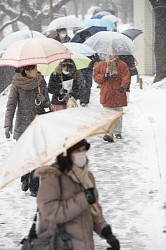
(59, 241)
(71, 103)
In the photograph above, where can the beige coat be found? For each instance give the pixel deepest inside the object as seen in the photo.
(64, 202)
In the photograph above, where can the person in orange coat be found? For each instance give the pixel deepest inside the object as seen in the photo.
(113, 76)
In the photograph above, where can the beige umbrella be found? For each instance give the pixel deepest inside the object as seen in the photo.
(51, 134)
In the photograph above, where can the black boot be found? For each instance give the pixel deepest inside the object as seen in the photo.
(34, 184)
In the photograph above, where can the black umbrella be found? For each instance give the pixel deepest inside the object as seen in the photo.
(132, 33)
(93, 30)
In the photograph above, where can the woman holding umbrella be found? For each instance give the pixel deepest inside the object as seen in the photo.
(68, 195)
(63, 83)
(29, 95)
(113, 76)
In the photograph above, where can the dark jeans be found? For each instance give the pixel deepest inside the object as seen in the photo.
(33, 182)
(87, 82)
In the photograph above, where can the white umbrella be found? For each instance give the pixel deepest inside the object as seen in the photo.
(66, 22)
(17, 36)
(109, 42)
(34, 51)
(79, 48)
(51, 134)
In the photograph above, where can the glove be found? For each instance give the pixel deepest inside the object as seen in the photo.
(8, 131)
(111, 239)
(90, 195)
(40, 97)
(121, 90)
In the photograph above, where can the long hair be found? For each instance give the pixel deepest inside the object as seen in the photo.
(22, 69)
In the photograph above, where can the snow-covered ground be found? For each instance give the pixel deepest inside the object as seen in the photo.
(130, 174)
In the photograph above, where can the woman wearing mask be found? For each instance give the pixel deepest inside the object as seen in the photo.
(65, 73)
(68, 194)
(62, 36)
(29, 95)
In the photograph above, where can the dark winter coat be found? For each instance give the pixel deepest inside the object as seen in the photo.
(55, 86)
(109, 95)
(23, 99)
(64, 202)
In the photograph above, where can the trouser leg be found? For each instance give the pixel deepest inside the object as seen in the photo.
(34, 183)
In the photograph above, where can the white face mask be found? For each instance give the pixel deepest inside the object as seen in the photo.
(80, 159)
(65, 72)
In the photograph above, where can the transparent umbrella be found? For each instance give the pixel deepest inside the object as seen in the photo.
(17, 36)
(108, 42)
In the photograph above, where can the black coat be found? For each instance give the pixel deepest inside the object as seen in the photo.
(55, 87)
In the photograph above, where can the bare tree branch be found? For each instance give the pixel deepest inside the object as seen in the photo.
(8, 23)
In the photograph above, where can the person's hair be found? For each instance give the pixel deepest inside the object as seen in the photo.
(65, 162)
(62, 29)
(21, 70)
(84, 34)
(69, 63)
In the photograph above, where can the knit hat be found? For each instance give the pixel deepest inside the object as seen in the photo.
(79, 145)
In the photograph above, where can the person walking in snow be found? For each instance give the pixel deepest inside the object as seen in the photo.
(63, 83)
(113, 76)
(68, 194)
(87, 73)
(29, 95)
(62, 36)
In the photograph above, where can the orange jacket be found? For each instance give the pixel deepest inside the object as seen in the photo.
(109, 95)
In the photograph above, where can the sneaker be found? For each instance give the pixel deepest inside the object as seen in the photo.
(118, 136)
(108, 138)
(83, 105)
(25, 185)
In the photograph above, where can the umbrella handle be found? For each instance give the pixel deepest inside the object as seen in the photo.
(38, 103)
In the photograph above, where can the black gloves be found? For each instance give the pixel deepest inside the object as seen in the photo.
(121, 90)
(90, 195)
(8, 131)
(111, 239)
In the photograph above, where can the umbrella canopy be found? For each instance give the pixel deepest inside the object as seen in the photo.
(99, 22)
(108, 42)
(79, 48)
(100, 14)
(51, 134)
(110, 18)
(17, 36)
(132, 33)
(80, 61)
(92, 29)
(34, 51)
(66, 22)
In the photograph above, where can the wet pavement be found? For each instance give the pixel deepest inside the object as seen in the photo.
(130, 186)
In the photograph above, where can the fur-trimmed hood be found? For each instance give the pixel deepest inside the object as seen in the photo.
(52, 169)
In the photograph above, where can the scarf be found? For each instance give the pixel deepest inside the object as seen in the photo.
(112, 65)
(25, 82)
(81, 175)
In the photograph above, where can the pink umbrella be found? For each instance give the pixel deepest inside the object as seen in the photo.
(34, 51)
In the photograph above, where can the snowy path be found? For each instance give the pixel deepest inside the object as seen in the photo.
(127, 173)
